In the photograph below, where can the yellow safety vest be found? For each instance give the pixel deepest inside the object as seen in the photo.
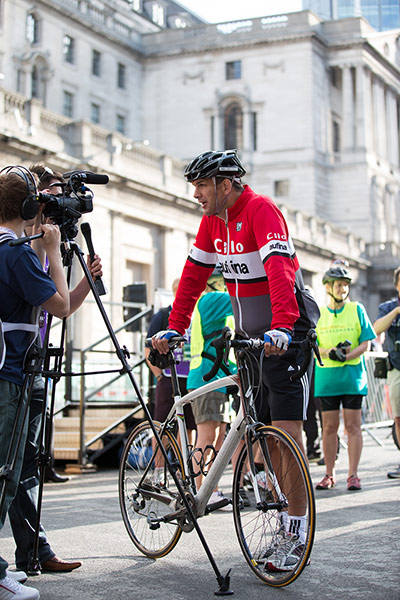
(332, 330)
(197, 339)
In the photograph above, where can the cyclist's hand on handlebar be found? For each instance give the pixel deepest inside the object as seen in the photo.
(160, 340)
(277, 341)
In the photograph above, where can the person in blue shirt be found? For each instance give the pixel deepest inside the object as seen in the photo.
(24, 288)
(388, 321)
(344, 333)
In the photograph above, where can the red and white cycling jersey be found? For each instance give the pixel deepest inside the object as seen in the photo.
(259, 265)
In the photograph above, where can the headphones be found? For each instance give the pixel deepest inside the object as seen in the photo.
(30, 205)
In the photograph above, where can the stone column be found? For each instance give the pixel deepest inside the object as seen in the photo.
(379, 117)
(392, 128)
(247, 141)
(347, 109)
(363, 109)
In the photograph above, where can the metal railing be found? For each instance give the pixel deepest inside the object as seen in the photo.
(118, 373)
(376, 410)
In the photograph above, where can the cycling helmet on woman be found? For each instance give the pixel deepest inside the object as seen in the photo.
(215, 164)
(337, 270)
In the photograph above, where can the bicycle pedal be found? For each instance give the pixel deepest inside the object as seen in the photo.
(217, 505)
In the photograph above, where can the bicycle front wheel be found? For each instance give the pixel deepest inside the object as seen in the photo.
(274, 512)
(146, 501)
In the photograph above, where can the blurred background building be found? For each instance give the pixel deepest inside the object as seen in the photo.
(136, 88)
(381, 14)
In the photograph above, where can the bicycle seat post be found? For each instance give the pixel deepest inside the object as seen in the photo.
(174, 377)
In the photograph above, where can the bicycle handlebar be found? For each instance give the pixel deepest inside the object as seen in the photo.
(223, 343)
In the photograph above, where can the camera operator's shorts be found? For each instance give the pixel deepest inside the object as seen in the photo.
(393, 378)
(350, 401)
(213, 406)
(279, 398)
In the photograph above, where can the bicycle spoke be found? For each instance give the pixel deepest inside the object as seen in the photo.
(148, 493)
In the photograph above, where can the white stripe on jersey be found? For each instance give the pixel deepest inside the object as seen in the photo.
(277, 246)
(206, 258)
(242, 266)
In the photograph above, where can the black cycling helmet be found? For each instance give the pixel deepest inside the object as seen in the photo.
(215, 164)
(338, 270)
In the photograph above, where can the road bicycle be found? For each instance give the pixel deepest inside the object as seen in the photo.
(271, 479)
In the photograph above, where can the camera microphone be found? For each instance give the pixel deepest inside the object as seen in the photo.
(87, 234)
(87, 176)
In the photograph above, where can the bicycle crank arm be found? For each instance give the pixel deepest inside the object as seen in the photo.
(154, 523)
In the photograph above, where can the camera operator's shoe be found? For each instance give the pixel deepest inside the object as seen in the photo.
(395, 474)
(12, 590)
(51, 475)
(58, 565)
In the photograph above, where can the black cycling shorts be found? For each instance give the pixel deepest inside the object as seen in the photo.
(351, 401)
(280, 399)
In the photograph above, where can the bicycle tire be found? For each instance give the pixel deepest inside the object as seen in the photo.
(136, 507)
(259, 528)
(394, 436)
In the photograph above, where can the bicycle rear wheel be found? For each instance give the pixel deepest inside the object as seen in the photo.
(145, 503)
(276, 546)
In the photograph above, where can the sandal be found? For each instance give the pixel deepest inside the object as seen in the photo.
(326, 483)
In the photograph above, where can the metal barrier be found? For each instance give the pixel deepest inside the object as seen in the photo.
(376, 410)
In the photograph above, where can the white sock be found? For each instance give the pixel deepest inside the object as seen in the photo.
(298, 526)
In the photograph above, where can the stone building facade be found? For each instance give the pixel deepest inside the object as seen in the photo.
(312, 106)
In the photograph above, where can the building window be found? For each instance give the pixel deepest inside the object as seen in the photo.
(233, 127)
(96, 63)
(336, 136)
(158, 14)
(32, 28)
(68, 104)
(34, 83)
(233, 70)
(95, 113)
(20, 80)
(336, 77)
(121, 76)
(253, 124)
(120, 124)
(69, 49)
(281, 187)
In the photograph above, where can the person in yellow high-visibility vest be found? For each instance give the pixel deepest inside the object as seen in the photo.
(344, 333)
(212, 313)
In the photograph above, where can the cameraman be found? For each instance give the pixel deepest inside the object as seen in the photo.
(23, 511)
(344, 331)
(24, 286)
(389, 321)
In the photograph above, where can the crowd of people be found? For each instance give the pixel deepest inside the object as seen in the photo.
(242, 271)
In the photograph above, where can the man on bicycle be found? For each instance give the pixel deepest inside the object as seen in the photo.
(247, 234)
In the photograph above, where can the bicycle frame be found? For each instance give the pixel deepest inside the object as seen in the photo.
(230, 443)
(227, 449)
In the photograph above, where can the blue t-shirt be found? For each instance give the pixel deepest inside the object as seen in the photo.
(393, 333)
(347, 379)
(23, 285)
